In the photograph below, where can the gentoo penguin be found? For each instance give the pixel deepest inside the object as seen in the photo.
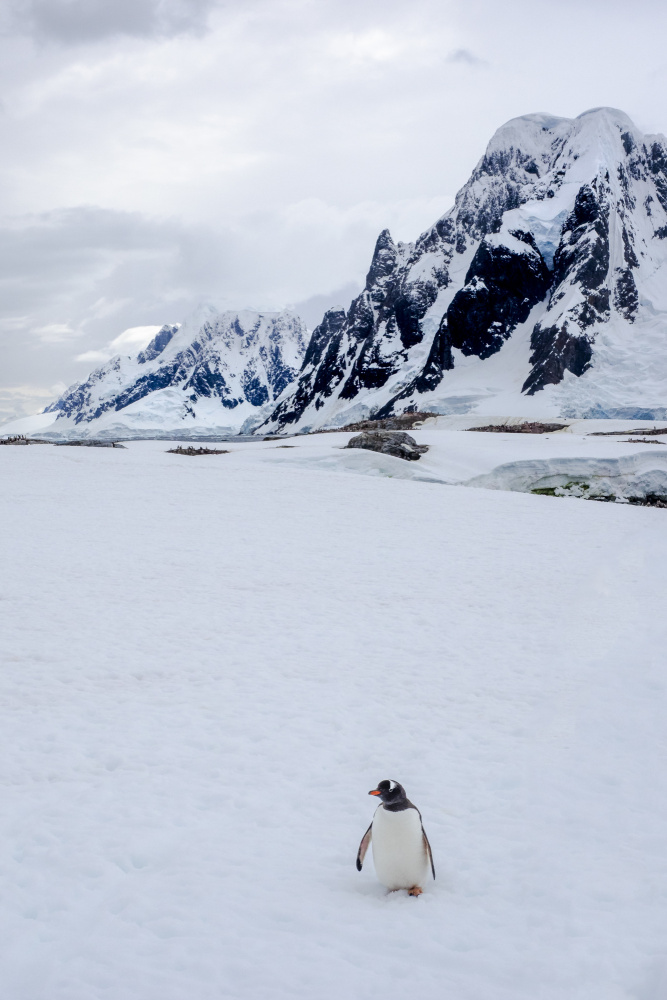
(401, 851)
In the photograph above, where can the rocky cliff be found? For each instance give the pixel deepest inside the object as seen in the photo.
(541, 292)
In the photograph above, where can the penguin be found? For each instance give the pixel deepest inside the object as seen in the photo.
(401, 851)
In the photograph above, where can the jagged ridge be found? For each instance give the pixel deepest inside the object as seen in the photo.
(219, 370)
(533, 280)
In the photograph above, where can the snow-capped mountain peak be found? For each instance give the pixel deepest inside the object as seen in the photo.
(212, 375)
(540, 293)
(536, 293)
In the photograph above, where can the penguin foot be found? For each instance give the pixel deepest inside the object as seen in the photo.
(415, 891)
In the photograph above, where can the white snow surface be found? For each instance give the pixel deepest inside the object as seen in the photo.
(208, 662)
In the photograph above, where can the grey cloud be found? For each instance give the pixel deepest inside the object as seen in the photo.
(72, 280)
(312, 309)
(466, 57)
(55, 253)
(76, 21)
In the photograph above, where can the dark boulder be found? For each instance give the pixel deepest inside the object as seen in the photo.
(396, 443)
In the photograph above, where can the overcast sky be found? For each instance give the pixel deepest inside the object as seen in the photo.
(157, 153)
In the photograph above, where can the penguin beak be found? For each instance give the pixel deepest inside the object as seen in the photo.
(375, 792)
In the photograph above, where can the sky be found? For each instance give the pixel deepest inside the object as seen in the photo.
(157, 154)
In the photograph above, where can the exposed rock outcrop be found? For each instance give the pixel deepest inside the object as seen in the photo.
(396, 443)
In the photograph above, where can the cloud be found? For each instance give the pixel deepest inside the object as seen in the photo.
(86, 277)
(466, 57)
(25, 400)
(55, 333)
(130, 341)
(371, 45)
(312, 309)
(79, 21)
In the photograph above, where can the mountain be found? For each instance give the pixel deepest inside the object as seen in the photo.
(218, 373)
(543, 291)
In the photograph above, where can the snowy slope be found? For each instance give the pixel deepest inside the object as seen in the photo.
(541, 292)
(212, 375)
(205, 669)
(612, 467)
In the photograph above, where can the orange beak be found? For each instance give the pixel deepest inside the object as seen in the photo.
(375, 792)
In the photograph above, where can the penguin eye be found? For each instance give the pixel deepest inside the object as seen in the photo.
(385, 786)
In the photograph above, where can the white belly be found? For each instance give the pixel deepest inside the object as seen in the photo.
(399, 853)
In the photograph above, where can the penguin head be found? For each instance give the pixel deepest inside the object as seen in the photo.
(389, 791)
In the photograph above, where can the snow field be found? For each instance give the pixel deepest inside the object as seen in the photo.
(208, 662)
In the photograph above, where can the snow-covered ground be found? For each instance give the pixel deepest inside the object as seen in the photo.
(208, 662)
(505, 461)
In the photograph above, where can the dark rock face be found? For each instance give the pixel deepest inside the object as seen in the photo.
(501, 287)
(626, 298)
(396, 443)
(157, 344)
(555, 351)
(583, 253)
(384, 260)
(409, 307)
(582, 259)
(386, 318)
(440, 359)
(323, 368)
(254, 389)
(510, 171)
(657, 166)
(358, 352)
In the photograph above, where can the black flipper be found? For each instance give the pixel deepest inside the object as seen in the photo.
(429, 852)
(363, 847)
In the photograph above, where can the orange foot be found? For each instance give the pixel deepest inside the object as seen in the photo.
(415, 891)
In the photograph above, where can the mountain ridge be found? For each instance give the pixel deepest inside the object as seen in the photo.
(558, 220)
(540, 294)
(216, 373)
